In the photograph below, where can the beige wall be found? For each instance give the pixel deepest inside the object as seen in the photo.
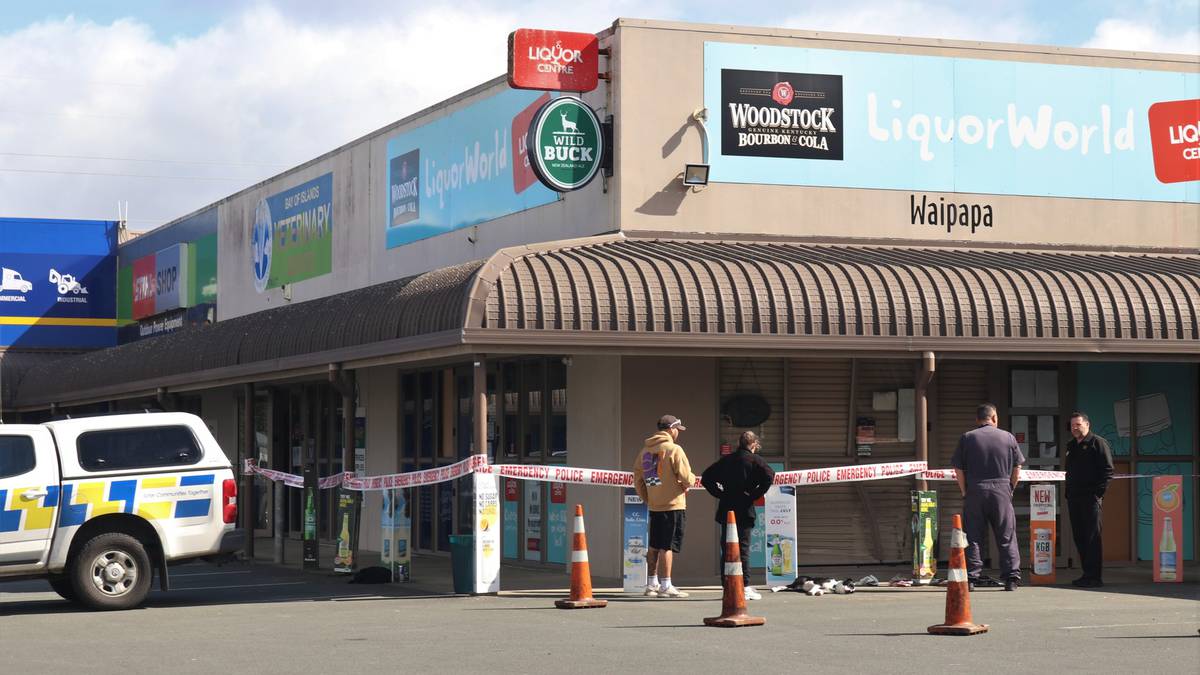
(594, 442)
(660, 70)
(687, 388)
(378, 391)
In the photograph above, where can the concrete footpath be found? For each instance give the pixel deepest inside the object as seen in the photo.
(272, 619)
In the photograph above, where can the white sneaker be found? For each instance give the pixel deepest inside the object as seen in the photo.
(751, 594)
(671, 592)
(651, 592)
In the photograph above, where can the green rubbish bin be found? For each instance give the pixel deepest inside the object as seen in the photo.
(462, 561)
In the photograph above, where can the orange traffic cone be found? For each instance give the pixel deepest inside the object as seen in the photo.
(958, 596)
(733, 601)
(581, 571)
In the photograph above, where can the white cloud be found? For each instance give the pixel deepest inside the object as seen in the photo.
(914, 18)
(1145, 37)
(262, 87)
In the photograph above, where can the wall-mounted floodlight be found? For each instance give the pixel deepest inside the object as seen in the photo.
(695, 175)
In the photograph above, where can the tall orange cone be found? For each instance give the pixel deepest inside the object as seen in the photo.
(958, 595)
(733, 600)
(581, 571)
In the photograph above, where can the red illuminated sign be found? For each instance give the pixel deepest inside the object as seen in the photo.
(144, 287)
(1175, 138)
(553, 60)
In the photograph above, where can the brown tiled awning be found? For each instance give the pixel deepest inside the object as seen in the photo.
(942, 297)
(644, 295)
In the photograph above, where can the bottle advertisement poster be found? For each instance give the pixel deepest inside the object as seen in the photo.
(556, 517)
(780, 522)
(533, 520)
(637, 533)
(487, 534)
(1168, 528)
(758, 533)
(510, 512)
(1043, 507)
(347, 531)
(925, 535)
(311, 548)
(396, 524)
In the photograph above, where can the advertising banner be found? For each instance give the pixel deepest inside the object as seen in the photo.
(1043, 532)
(533, 521)
(1168, 528)
(309, 513)
(487, 534)
(556, 529)
(781, 535)
(939, 124)
(347, 531)
(510, 511)
(291, 236)
(57, 283)
(171, 278)
(925, 535)
(144, 290)
(396, 522)
(637, 538)
(463, 169)
(758, 534)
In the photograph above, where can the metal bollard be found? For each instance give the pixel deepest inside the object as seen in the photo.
(280, 518)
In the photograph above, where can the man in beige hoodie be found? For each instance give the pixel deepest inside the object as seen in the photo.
(662, 476)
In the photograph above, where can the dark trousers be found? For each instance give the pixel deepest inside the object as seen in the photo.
(991, 504)
(743, 535)
(1085, 526)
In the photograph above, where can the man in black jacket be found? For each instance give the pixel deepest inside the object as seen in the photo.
(738, 480)
(1089, 468)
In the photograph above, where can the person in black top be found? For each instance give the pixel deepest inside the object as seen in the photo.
(1089, 468)
(738, 480)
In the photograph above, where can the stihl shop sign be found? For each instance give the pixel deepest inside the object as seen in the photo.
(553, 60)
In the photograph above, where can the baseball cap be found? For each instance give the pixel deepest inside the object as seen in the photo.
(671, 422)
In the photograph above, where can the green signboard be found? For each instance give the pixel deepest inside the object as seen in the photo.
(566, 144)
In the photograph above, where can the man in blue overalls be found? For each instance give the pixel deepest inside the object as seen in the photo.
(988, 463)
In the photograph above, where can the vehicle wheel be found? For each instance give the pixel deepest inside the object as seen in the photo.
(112, 571)
(61, 584)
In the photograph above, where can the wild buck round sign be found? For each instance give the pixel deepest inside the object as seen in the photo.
(565, 144)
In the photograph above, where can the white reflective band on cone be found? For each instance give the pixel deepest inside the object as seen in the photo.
(733, 569)
(578, 524)
(956, 575)
(958, 539)
(579, 556)
(730, 534)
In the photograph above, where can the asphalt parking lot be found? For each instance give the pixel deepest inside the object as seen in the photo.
(263, 618)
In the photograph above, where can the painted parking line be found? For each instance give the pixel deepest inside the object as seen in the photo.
(205, 574)
(215, 588)
(1129, 625)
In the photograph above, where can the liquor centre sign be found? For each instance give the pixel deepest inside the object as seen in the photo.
(553, 60)
(565, 144)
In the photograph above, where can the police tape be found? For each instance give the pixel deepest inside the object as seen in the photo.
(560, 474)
(1026, 475)
(849, 474)
(409, 479)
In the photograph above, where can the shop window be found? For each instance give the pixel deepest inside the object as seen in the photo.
(534, 389)
(512, 409)
(408, 415)
(557, 434)
(1164, 409)
(1100, 387)
(427, 436)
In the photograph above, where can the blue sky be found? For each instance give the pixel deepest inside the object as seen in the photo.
(170, 106)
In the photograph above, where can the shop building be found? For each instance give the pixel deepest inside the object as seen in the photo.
(893, 230)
